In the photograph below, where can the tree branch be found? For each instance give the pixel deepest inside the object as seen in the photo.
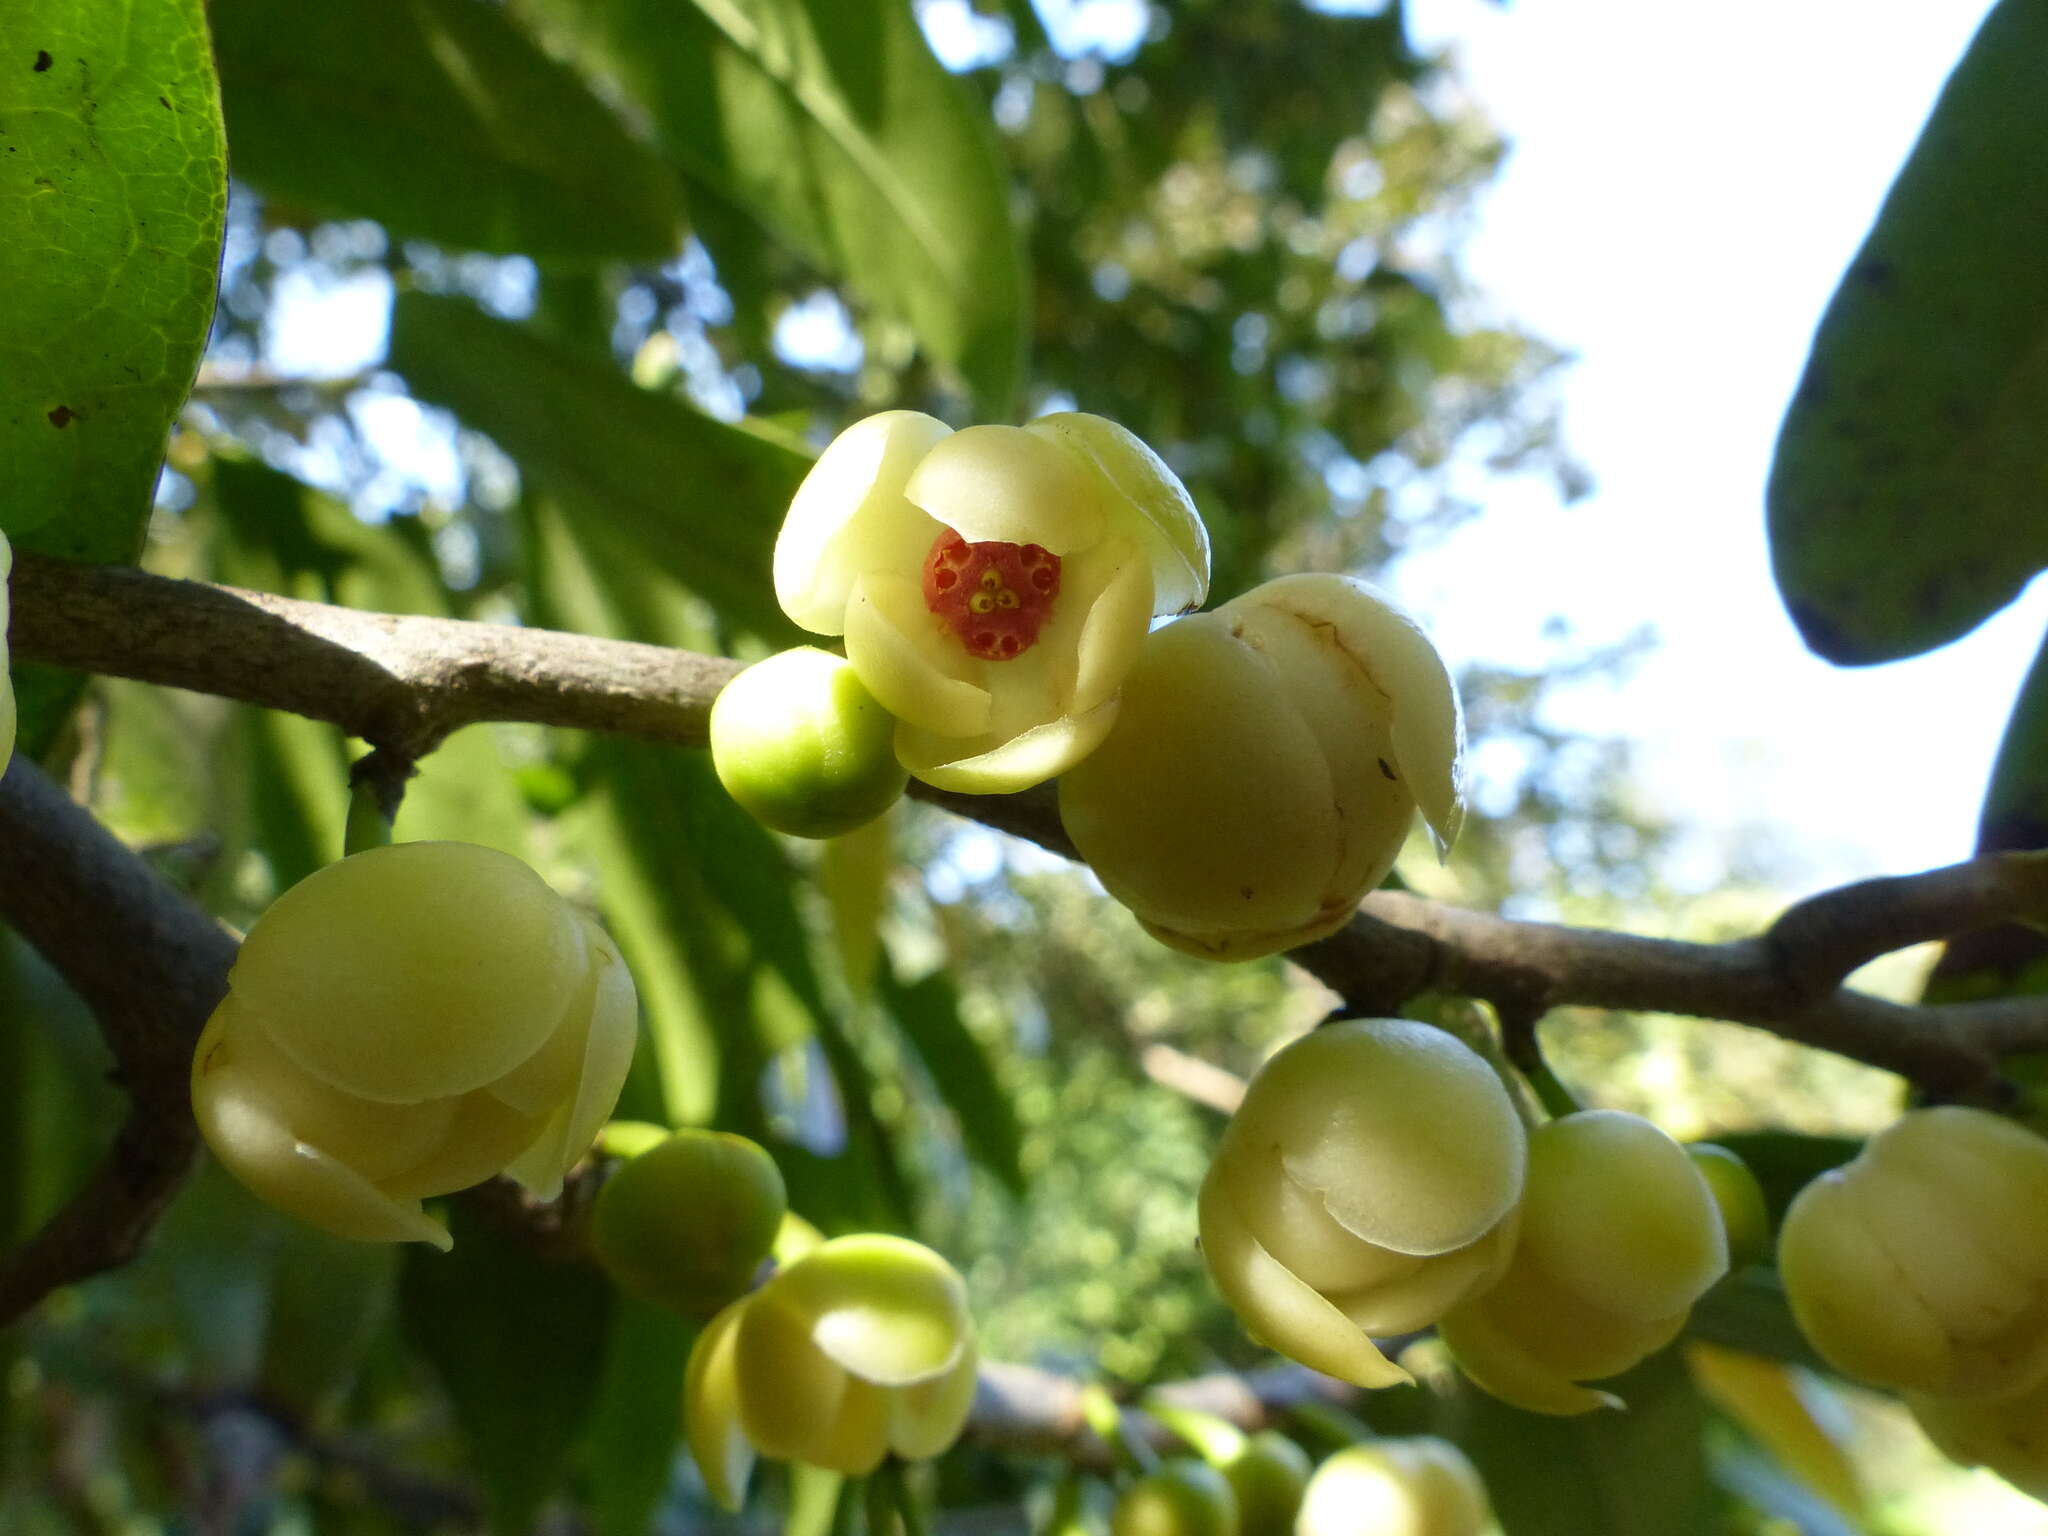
(153, 966)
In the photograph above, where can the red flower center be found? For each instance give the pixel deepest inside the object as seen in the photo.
(994, 596)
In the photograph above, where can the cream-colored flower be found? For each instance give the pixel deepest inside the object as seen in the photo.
(1266, 766)
(1923, 1264)
(993, 584)
(1415, 1486)
(2007, 1434)
(1363, 1187)
(408, 1022)
(1619, 1236)
(861, 1347)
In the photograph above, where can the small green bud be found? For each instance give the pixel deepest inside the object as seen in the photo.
(686, 1223)
(1420, 1486)
(1741, 1199)
(1183, 1498)
(1268, 1477)
(801, 744)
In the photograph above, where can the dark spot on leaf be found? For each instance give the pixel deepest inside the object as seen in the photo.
(164, 102)
(62, 417)
(42, 60)
(1386, 769)
(1245, 891)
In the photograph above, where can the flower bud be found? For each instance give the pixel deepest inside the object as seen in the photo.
(1419, 1486)
(993, 584)
(1183, 1498)
(862, 1347)
(1740, 1199)
(1266, 766)
(1923, 1264)
(687, 1223)
(802, 745)
(408, 1022)
(2007, 1434)
(1619, 1236)
(1268, 1476)
(1364, 1186)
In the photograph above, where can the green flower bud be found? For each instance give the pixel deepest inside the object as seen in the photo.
(1268, 1476)
(408, 1022)
(862, 1347)
(1422, 1486)
(2007, 1434)
(1922, 1265)
(1744, 1216)
(1619, 1237)
(800, 743)
(1183, 1498)
(1266, 766)
(687, 1223)
(993, 584)
(1364, 1186)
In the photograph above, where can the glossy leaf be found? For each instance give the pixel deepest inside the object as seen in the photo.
(518, 1342)
(928, 1014)
(830, 122)
(1909, 498)
(439, 119)
(696, 498)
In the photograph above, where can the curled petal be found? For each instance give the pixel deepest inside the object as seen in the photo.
(889, 1311)
(909, 663)
(1111, 589)
(790, 1393)
(711, 1410)
(850, 517)
(484, 1136)
(1007, 485)
(1435, 1286)
(1147, 502)
(1495, 1358)
(927, 1417)
(1009, 765)
(411, 972)
(1278, 1308)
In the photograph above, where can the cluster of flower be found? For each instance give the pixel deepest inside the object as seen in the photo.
(1238, 778)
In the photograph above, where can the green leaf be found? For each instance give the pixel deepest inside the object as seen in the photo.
(1785, 1162)
(830, 122)
(928, 1013)
(1909, 499)
(697, 499)
(519, 1343)
(1641, 1472)
(1748, 1311)
(630, 1447)
(113, 186)
(439, 119)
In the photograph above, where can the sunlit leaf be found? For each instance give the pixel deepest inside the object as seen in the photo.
(1909, 499)
(697, 498)
(830, 122)
(439, 119)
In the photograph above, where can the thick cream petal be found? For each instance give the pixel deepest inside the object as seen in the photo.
(711, 1410)
(1384, 641)
(1416, 1300)
(887, 1310)
(298, 1179)
(1294, 1225)
(2008, 1434)
(910, 663)
(483, 1138)
(1277, 1308)
(1001, 767)
(1494, 1358)
(926, 1418)
(1114, 620)
(790, 1393)
(1147, 502)
(1007, 485)
(849, 517)
(858, 1438)
(1850, 1298)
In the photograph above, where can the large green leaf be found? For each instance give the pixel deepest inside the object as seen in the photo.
(439, 119)
(1909, 499)
(928, 1013)
(1642, 1472)
(830, 122)
(629, 1450)
(518, 1341)
(697, 498)
(113, 185)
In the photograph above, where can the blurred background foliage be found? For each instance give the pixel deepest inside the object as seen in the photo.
(534, 312)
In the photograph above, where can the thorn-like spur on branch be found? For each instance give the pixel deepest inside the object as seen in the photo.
(151, 965)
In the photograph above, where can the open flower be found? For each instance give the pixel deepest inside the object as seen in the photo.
(1619, 1236)
(1363, 1187)
(861, 1347)
(408, 1022)
(1266, 766)
(993, 584)
(1922, 1265)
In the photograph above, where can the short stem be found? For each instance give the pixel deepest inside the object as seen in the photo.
(367, 826)
(376, 788)
(908, 1504)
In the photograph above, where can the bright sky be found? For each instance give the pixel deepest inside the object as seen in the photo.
(1685, 189)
